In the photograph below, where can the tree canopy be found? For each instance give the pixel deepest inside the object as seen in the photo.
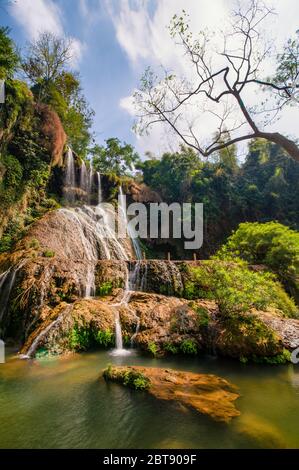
(217, 86)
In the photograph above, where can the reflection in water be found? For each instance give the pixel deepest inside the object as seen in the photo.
(64, 402)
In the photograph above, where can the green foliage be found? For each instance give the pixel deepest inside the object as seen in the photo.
(238, 289)
(9, 58)
(129, 378)
(136, 380)
(188, 346)
(264, 188)
(114, 157)
(203, 316)
(171, 348)
(34, 243)
(49, 254)
(104, 338)
(248, 332)
(105, 289)
(288, 69)
(13, 232)
(152, 348)
(278, 359)
(80, 338)
(271, 244)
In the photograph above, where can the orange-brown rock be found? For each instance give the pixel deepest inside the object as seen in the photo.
(208, 394)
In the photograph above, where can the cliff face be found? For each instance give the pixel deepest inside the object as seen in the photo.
(47, 281)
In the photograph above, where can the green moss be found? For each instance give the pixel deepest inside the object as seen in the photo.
(152, 348)
(278, 359)
(188, 346)
(34, 243)
(105, 289)
(203, 316)
(49, 254)
(129, 378)
(80, 338)
(171, 348)
(104, 338)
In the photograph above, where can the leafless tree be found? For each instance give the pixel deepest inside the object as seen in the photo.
(220, 84)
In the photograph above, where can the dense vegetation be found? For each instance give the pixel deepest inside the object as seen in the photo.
(263, 188)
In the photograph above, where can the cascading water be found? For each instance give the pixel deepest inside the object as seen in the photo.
(83, 177)
(7, 281)
(100, 196)
(70, 177)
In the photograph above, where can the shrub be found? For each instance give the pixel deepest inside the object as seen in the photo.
(152, 348)
(49, 254)
(34, 243)
(104, 338)
(203, 316)
(171, 348)
(271, 244)
(136, 380)
(105, 289)
(238, 289)
(188, 346)
(80, 338)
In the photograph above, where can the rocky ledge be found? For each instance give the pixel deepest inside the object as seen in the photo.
(208, 394)
(161, 325)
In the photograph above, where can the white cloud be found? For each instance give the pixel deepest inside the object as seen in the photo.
(40, 16)
(141, 30)
(37, 16)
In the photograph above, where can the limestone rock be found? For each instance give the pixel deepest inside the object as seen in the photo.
(208, 394)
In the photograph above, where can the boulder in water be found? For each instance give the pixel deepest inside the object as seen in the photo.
(208, 394)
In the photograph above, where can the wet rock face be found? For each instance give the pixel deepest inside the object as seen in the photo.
(207, 394)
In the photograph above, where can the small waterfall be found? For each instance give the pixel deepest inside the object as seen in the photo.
(43, 333)
(7, 281)
(90, 289)
(83, 177)
(90, 182)
(100, 197)
(70, 177)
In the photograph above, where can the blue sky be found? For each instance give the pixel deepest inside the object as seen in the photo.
(114, 41)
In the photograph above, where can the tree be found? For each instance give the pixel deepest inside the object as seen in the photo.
(53, 83)
(9, 58)
(114, 157)
(218, 86)
(46, 59)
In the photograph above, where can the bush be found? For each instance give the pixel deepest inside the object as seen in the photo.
(136, 380)
(105, 289)
(171, 348)
(80, 338)
(49, 254)
(238, 289)
(152, 348)
(188, 346)
(271, 244)
(104, 338)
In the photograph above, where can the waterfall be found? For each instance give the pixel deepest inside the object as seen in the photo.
(7, 281)
(83, 177)
(70, 177)
(43, 333)
(130, 231)
(100, 197)
(90, 182)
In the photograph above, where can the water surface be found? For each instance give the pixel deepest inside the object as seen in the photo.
(63, 402)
